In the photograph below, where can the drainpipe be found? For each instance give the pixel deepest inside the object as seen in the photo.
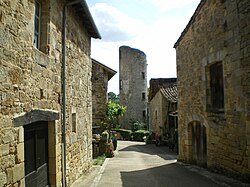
(64, 87)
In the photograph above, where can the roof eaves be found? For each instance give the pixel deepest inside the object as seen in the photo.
(192, 19)
(108, 69)
(87, 19)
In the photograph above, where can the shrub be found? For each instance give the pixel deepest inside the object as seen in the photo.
(149, 139)
(139, 135)
(137, 125)
(126, 134)
(99, 160)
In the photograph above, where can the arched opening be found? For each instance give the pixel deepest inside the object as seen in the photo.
(198, 141)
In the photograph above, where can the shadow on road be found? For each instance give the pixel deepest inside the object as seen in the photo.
(169, 175)
(151, 149)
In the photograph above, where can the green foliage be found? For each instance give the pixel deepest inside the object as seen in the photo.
(114, 110)
(113, 97)
(139, 135)
(137, 125)
(126, 134)
(149, 139)
(99, 160)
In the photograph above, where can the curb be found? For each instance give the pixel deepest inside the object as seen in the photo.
(99, 174)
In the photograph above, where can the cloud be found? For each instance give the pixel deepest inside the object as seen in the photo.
(156, 38)
(165, 5)
(113, 24)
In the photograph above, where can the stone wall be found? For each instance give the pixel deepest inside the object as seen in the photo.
(30, 79)
(158, 113)
(133, 83)
(218, 32)
(101, 74)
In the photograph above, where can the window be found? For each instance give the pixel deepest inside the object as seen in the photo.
(41, 25)
(143, 96)
(120, 84)
(216, 87)
(144, 113)
(143, 75)
(74, 122)
(37, 24)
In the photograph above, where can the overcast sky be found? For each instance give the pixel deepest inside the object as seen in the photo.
(152, 26)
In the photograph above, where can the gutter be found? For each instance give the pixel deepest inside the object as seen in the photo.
(64, 88)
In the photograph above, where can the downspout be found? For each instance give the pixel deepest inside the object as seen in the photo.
(64, 88)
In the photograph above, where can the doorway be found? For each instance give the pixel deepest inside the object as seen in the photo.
(36, 154)
(199, 143)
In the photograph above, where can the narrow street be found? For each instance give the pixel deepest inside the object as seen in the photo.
(138, 164)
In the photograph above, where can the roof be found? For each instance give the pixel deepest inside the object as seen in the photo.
(83, 12)
(157, 83)
(191, 21)
(170, 93)
(110, 71)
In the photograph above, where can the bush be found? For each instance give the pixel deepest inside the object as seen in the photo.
(99, 160)
(139, 135)
(149, 139)
(126, 134)
(137, 125)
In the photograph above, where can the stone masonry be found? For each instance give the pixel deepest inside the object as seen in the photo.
(101, 74)
(133, 85)
(163, 101)
(30, 88)
(219, 31)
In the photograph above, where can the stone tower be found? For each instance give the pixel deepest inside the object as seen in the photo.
(133, 85)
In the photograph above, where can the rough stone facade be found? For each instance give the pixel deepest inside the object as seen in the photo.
(161, 105)
(101, 74)
(133, 85)
(218, 32)
(31, 92)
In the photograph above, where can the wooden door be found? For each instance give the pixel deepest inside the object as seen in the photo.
(36, 154)
(199, 143)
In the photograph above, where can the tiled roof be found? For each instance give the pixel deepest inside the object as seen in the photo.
(157, 83)
(170, 93)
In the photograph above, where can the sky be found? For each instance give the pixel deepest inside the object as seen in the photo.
(152, 26)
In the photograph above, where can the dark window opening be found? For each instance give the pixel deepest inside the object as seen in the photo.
(143, 75)
(120, 84)
(144, 113)
(217, 87)
(74, 122)
(143, 96)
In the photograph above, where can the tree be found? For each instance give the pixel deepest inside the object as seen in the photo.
(113, 112)
(113, 97)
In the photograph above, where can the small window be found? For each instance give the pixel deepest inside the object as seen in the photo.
(143, 96)
(217, 87)
(37, 24)
(144, 113)
(120, 84)
(156, 115)
(74, 122)
(143, 75)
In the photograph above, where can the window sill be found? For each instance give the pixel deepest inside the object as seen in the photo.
(41, 58)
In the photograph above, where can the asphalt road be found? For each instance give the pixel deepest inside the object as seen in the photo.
(139, 165)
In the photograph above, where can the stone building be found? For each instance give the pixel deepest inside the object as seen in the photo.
(45, 92)
(101, 74)
(133, 85)
(163, 107)
(213, 87)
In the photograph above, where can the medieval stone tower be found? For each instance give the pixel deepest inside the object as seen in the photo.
(133, 85)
